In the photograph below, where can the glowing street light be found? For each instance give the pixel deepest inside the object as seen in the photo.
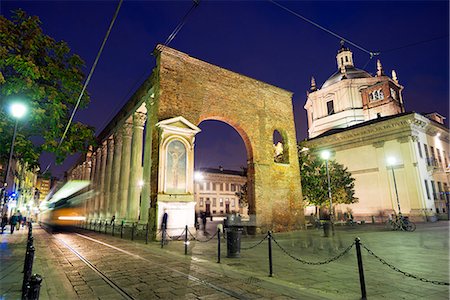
(325, 154)
(17, 110)
(198, 176)
(392, 162)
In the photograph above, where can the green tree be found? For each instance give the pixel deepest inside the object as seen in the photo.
(45, 75)
(315, 184)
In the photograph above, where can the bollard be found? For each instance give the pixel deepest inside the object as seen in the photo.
(113, 225)
(34, 287)
(121, 230)
(146, 234)
(29, 245)
(28, 268)
(185, 240)
(270, 253)
(218, 245)
(132, 231)
(360, 269)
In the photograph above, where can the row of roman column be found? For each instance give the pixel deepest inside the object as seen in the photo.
(116, 174)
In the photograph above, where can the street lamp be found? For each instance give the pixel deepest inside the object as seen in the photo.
(326, 156)
(391, 162)
(17, 110)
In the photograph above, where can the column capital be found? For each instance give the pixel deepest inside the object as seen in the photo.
(139, 119)
(127, 130)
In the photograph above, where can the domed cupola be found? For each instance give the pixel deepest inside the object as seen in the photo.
(344, 57)
(346, 68)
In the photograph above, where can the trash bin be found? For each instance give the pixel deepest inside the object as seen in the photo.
(326, 228)
(234, 234)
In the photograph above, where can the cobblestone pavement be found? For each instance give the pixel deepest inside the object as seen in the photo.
(149, 272)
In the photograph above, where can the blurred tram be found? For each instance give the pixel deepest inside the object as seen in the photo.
(66, 207)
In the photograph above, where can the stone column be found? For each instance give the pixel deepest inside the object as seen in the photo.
(115, 176)
(134, 190)
(102, 211)
(107, 189)
(146, 176)
(98, 164)
(91, 201)
(125, 169)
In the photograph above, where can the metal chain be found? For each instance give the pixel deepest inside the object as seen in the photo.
(315, 263)
(257, 244)
(173, 238)
(403, 272)
(204, 241)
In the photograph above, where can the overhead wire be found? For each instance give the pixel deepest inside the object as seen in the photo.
(416, 43)
(371, 53)
(89, 77)
(182, 23)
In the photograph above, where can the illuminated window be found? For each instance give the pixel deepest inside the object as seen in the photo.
(201, 201)
(214, 202)
(220, 202)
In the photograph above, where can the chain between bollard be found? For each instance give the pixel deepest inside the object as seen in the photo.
(257, 244)
(314, 263)
(403, 272)
(204, 241)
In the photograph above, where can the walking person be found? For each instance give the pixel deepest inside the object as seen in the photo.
(204, 222)
(164, 226)
(19, 219)
(4, 221)
(113, 219)
(13, 222)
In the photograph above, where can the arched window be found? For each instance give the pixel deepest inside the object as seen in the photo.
(393, 94)
(280, 148)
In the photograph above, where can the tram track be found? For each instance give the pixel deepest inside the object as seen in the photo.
(111, 283)
(116, 287)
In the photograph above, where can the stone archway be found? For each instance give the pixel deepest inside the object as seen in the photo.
(182, 86)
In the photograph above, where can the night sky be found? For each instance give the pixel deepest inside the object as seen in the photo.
(254, 38)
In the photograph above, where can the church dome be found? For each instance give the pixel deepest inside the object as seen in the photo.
(350, 73)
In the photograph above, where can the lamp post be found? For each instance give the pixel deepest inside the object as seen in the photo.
(17, 110)
(391, 162)
(326, 156)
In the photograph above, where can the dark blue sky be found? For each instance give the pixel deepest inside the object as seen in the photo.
(254, 38)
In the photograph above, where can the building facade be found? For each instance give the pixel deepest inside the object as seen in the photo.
(361, 119)
(215, 192)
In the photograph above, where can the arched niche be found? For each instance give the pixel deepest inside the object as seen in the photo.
(280, 147)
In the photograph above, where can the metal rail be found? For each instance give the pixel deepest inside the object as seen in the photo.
(117, 288)
(188, 276)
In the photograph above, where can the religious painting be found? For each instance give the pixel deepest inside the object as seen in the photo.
(176, 168)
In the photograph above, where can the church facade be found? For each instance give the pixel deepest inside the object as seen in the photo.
(400, 160)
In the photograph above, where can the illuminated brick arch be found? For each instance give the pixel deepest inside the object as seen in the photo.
(184, 86)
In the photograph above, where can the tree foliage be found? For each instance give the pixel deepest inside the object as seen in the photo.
(47, 77)
(315, 184)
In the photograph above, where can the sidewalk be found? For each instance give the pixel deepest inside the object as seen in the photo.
(55, 284)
